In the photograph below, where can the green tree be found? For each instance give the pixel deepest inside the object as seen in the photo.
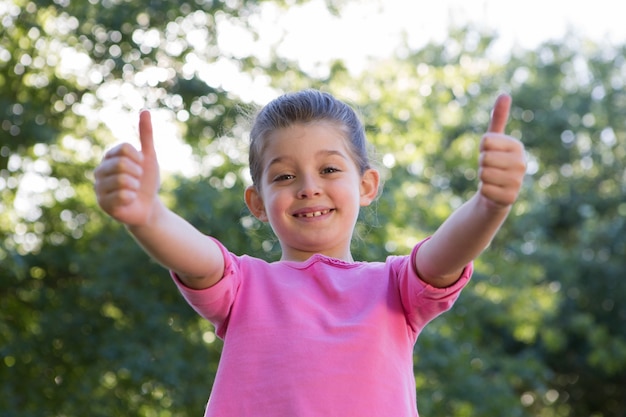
(541, 329)
(89, 324)
(576, 101)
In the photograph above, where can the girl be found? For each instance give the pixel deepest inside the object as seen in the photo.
(316, 333)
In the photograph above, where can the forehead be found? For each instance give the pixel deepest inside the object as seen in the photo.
(306, 139)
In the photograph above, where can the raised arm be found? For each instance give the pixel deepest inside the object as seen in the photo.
(127, 184)
(470, 229)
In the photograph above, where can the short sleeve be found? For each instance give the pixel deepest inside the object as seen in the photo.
(421, 301)
(214, 303)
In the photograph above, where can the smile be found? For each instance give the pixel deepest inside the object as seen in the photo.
(313, 213)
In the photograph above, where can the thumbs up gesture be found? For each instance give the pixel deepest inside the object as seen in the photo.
(501, 162)
(127, 180)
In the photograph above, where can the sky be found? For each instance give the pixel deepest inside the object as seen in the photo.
(373, 27)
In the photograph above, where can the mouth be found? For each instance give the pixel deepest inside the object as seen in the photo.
(311, 214)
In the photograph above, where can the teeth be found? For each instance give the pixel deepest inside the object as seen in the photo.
(314, 213)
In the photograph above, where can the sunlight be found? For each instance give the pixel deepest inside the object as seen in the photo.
(313, 37)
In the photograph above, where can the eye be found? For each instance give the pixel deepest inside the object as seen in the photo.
(283, 177)
(330, 170)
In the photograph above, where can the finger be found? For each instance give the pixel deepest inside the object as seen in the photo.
(497, 176)
(116, 190)
(500, 114)
(501, 196)
(121, 150)
(115, 183)
(109, 195)
(500, 142)
(495, 159)
(114, 201)
(145, 133)
(120, 164)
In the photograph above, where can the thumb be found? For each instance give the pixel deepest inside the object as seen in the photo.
(145, 133)
(500, 114)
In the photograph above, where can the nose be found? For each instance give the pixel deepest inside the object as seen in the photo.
(308, 187)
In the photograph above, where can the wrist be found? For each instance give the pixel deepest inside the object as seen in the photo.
(152, 218)
(491, 206)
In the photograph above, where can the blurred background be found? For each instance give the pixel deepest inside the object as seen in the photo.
(90, 326)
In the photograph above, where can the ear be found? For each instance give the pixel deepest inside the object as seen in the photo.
(255, 203)
(370, 180)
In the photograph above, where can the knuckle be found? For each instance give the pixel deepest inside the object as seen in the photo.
(124, 181)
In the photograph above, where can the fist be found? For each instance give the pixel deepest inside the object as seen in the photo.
(127, 180)
(501, 164)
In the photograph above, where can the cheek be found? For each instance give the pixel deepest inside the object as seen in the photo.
(275, 204)
(349, 188)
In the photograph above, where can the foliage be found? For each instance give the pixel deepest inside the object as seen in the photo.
(89, 324)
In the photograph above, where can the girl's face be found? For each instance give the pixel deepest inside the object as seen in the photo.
(311, 191)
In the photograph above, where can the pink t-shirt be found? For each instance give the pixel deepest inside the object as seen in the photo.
(322, 337)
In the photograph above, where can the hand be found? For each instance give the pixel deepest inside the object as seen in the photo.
(501, 163)
(127, 180)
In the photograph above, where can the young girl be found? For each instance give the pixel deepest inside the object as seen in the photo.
(316, 333)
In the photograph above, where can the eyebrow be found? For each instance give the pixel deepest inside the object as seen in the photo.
(323, 152)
